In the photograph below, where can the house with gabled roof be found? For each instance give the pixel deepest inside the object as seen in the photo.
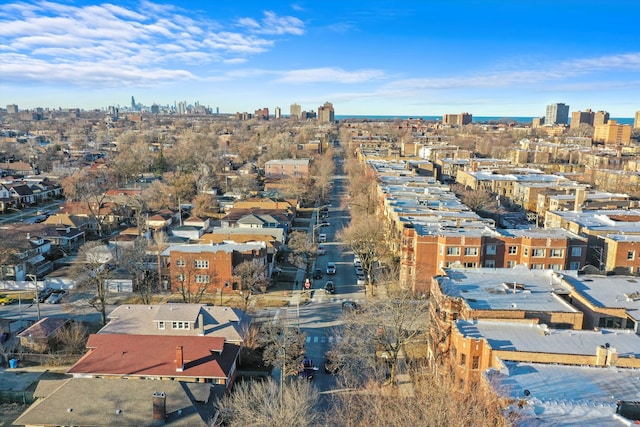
(122, 402)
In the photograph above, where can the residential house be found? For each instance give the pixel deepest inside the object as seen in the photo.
(23, 194)
(41, 337)
(210, 268)
(287, 168)
(6, 199)
(28, 255)
(122, 402)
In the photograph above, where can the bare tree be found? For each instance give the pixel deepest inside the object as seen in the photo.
(73, 338)
(252, 279)
(376, 340)
(302, 251)
(283, 349)
(257, 404)
(145, 280)
(92, 272)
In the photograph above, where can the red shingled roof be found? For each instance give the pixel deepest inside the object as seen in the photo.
(155, 355)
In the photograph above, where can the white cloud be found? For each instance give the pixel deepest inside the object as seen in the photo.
(329, 74)
(148, 39)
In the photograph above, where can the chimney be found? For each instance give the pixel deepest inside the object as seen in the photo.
(200, 324)
(159, 406)
(179, 359)
(581, 196)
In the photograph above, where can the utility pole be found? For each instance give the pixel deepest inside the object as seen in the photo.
(35, 282)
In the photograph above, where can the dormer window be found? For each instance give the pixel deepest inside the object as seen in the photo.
(180, 325)
(161, 325)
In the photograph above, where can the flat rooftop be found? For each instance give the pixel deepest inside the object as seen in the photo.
(536, 338)
(515, 288)
(562, 395)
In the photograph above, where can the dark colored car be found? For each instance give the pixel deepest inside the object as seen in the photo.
(43, 294)
(329, 287)
(317, 274)
(350, 306)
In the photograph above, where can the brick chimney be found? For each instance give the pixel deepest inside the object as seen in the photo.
(179, 359)
(159, 406)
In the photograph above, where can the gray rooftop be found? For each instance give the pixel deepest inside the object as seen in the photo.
(493, 289)
(535, 338)
(227, 322)
(221, 247)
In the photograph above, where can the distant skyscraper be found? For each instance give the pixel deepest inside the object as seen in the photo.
(155, 109)
(295, 111)
(278, 112)
(133, 104)
(557, 114)
(581, 117)
(636, 121)
(12, 109)
(326, 113)
(600, 118)
(182, 107)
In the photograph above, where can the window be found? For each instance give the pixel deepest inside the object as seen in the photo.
(555, 267)
(537, 266)
(201, 263)
(475, 362)
(161, 325)
(470, 251)
(180, 277)
(441, 250)
(631, 255)
(202, 278)
(463, 359)
(453, 250)
(538, 253)
(513, 250)
(470, 265)
(490, 250)
(490, 263)
(574, 266)
(525, 252)
(576, 251)
(180, 263)
(557, 253)
(511, 264)
(180, 325)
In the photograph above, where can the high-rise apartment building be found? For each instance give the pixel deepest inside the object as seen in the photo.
(278, 112)
(581, 117)
(457, 119)
(557, 114)
(295, 111)
(600, 118)
(12, 109)
(612, 133)
(326, 113)
(636, 121)
(262, 114)
(182, 107)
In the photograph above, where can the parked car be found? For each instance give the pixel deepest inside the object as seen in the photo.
(321, 250)
(317, 273)
(359, 271)
(329, 287)
(322, 238)
(357, 262)
(43, 294)
(6, 299)
(350, 306)
(331, 268)
(54, 298)
(361, 280)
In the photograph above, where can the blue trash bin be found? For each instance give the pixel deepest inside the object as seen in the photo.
(13, 363)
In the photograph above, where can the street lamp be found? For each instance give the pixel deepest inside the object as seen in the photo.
(35, 282)
(315, 227)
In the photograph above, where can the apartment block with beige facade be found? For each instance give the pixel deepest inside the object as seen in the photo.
(612, 133)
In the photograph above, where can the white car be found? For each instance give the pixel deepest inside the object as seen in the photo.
(321, 250)
(54, 298)
(322, 238)
(361, 280)
(357, 262)
(331, 268)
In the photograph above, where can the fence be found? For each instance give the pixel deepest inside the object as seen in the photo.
(19, 397)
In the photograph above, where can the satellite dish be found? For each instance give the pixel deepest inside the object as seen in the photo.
(527, 393)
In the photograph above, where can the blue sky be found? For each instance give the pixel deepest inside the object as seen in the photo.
(419, 58)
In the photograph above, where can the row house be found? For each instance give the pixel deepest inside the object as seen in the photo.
(287, 168)
(611, 235)
(503, 183)
(209, 268)
(428, 249)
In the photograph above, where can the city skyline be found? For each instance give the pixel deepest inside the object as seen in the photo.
(366, 58)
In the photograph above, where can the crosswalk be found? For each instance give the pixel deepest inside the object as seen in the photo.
(331, 339)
